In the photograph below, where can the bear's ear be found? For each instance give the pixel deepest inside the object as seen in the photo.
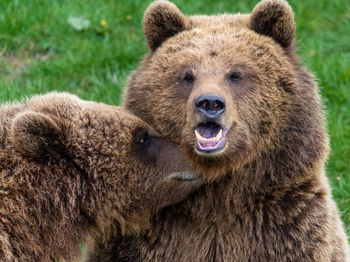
(162, 20)
(274, 18)
(36, 135)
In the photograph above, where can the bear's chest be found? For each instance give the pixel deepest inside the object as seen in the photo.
(265, 232)
(206, 227)
(190, 242)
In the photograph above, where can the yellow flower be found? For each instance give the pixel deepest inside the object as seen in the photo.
(103, 22)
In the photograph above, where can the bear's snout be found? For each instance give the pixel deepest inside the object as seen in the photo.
(211, 106)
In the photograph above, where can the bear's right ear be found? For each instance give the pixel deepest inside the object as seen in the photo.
(274, 18)
(36, 135)
(161, 21)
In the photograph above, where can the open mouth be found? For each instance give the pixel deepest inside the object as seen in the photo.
(210, 137)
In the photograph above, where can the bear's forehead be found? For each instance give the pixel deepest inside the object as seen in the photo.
(74, 113)
(111, 116)
(222, 21)
(218, 50)
(213, 41)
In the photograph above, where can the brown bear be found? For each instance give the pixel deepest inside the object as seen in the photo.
(231, 90)
(71, 169)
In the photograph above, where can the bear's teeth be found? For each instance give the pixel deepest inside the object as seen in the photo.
(216, 138)
(199, 137)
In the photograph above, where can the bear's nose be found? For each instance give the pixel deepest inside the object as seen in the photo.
(210, 105)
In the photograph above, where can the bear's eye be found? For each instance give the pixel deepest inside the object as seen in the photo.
(189, 77)
(235, 76)
(144, 139)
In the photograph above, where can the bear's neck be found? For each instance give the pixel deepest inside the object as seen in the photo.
(273, 177)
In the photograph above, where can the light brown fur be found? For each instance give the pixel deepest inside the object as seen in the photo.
(269, 199)
(72, 170)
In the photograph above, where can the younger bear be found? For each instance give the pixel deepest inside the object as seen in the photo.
(70, 169)
(231, 90)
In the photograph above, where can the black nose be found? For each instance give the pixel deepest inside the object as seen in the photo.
(210, 105)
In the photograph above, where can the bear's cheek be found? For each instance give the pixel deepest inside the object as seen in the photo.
(165, 106)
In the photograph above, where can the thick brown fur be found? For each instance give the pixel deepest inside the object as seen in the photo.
(269, 198)
(71, 170)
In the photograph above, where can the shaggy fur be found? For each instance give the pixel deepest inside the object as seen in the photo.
(70, 169)
(269, 199)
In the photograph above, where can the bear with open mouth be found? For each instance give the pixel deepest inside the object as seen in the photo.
(230, 89)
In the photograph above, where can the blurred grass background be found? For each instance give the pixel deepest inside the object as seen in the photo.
(41, 51)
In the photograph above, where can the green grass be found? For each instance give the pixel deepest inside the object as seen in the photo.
(40, 51)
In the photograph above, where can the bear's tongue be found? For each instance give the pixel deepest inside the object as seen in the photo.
(209, 137)
(208, 130)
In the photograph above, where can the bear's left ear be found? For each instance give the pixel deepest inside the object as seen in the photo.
(36, 135)
(274, 18)
(161, 21)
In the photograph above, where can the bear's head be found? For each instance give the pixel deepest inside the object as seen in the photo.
(229, 88)
(114, 166)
